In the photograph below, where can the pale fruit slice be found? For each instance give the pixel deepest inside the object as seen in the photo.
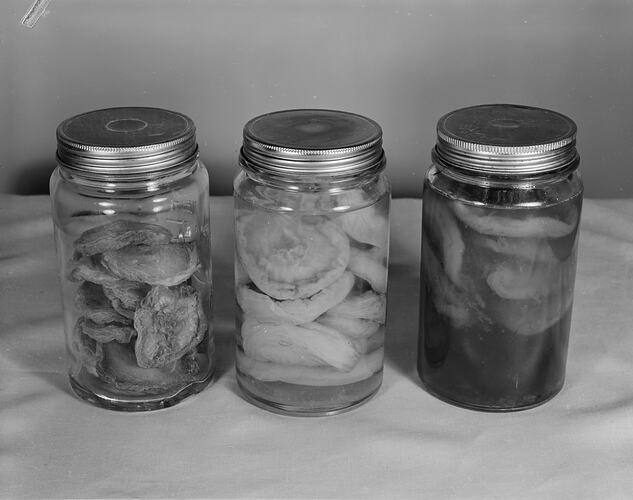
(522, 280)
(364, 265)
(265, 309)
(532, 250)
(536, 313)
(367, 305)
(366, 225)
(484, 221)
(365, 345)
(355, 328)
(291, 257)
(263, 371)
(452, 245)
(441, 228)
(308, 345)
(241, 276)
(533, 316)
(460, 307)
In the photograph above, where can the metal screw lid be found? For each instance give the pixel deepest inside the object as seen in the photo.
(127, 141)
(506, 140)
(312, 142)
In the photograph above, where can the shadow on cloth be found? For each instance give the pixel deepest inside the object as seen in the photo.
(401, 342)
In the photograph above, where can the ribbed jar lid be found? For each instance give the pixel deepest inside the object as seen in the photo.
(507, 140)
(128, 141)
(312, 142)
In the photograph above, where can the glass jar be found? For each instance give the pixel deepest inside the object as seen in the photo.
(502, 205)
(131, 214)
(312, 243)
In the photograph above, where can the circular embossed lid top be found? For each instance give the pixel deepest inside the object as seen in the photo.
(506, 139)
(126, 141)
(315, 142)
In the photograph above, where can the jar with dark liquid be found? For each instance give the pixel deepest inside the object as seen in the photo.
(311, 253)
(502, 204)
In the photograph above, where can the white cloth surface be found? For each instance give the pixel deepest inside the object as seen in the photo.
(403, 443)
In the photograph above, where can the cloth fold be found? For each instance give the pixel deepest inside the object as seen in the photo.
(403, 443)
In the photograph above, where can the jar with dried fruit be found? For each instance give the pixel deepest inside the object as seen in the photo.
(312, 243)
(131, 213)
(502, 205)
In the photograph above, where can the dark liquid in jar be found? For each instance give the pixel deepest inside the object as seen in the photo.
(497, 290)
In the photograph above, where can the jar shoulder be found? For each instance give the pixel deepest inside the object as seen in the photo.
(311, 197)
(194, 177)
(72, 199)
(508, 193)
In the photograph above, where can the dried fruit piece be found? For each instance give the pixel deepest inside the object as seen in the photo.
(119, 234)
(265, 309)
(307, 345)
(119, 369)
(86, 350)
(96, 307)
(106, 333)
(127, 294)
(289, 257)
(189, 363)
(165, 265)
(169, 323)
(364, 265)
(90, 269)
(368, 305)
(126, 313)
(323, 376)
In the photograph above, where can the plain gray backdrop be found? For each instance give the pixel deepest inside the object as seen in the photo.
(402, 63)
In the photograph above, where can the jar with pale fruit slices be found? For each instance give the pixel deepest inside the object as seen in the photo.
(501, 211)
(131, 214)
(311, 255)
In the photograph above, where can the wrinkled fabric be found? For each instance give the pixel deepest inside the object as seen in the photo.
(403, 443)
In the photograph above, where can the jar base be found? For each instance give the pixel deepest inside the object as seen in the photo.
(249, 388)
(138, 403)
(489, 408)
